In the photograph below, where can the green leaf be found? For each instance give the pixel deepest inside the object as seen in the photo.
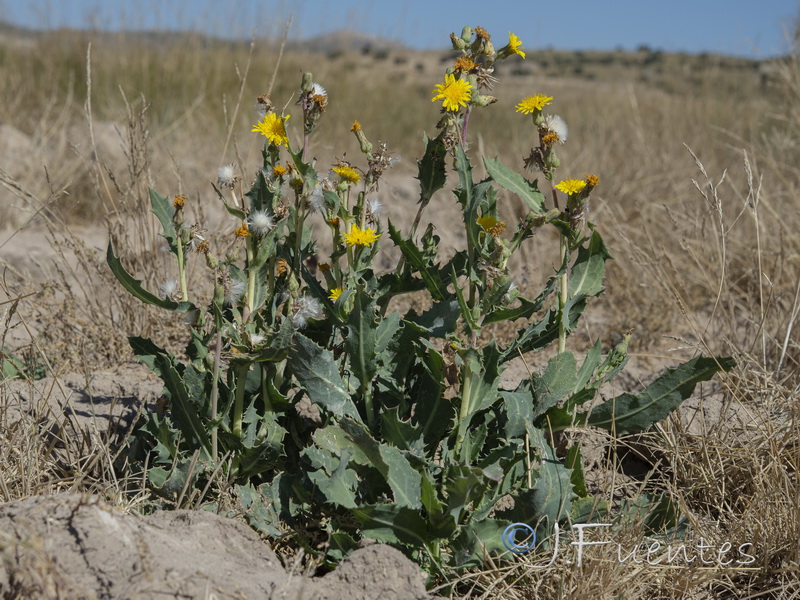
(632, 413)
(439, 320)
(403, 434)
(415, 258)
(588, 271)
(183, 409)
(338, 487)
(464, 486)
(432, 174)
(134, 286)
(393, 524)
(477, 540)
(390, 461)
(164, 211)
(555, 382)
(574, 462)
(516, 184)
(317, 372)
(548, 501)
(519, 409)
(361, 339)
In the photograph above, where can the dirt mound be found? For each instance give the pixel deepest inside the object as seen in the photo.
(73, 546)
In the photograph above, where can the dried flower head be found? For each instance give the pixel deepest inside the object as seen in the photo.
(356, 127)
(464, 63)
(242, 231)
(279, 171)
(482, 34)
(179, 201)
(282, 266)
(592, 180)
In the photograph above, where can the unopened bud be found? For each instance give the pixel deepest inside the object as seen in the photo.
(482, 100)
(308, 83)
(458, 43)
(466, 34)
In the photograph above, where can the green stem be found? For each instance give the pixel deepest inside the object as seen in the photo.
(563, 294)
(182, 271)
(466, 390)
(240, 377)
(251, 275)
(214, 397)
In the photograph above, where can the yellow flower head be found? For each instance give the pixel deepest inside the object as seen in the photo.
(515, 44)
(491, 225)
(282, 266)
(347, 173)
(361, 237)
(242, 231)
(335, 293)
(273, 128)
(571, 186)
(533, 103)
(454, 92)
(180, 200)
(356, 126)
(592, 180)
(279, 170)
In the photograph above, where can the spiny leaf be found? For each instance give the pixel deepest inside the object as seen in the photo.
(317, 372)
(516, 184)
(632, 413)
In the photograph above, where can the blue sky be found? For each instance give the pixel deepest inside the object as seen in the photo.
(755, 28)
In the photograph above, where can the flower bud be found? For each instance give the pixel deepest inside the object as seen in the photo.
(466, 34)
(308, 83)
(482, 100)
(458, 43)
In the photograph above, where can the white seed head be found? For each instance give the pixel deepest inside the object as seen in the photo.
(226, 176)
(317, 199)
(168, 289)
(318, 90)
(257, 338)
(234, 290)
(306, 308)
(260, 222)
(374, 206)
(558, 126)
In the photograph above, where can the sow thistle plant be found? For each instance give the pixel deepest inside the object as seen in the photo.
(343, 421)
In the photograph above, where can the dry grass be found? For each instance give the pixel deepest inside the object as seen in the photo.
(715, 264)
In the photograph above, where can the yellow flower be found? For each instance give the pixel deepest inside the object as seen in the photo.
(454, 92)
(180, 200)
(356, 126)
(571, 186)
(514, 44)
(533, 103)
(273, 128)
(361, 237)
(242, 231)
(279, 170)
(347, 173)
(335, 293)
(592, 180)
(491, 225)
